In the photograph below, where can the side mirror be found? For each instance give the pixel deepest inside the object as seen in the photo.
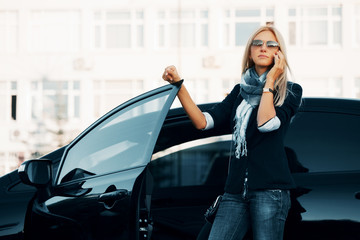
(36, 172)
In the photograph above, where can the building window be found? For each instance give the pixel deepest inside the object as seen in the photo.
(9, 31)
(54, 31)
(239, 24)
(118, 29)
(111, 93)
(183, 29)
(315, 26)
(13, 87)
(55, 100)
(13, 106)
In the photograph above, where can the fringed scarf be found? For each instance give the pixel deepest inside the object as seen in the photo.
(251, 87)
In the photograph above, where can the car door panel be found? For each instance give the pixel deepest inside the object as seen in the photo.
(101, 187)
(100, 218)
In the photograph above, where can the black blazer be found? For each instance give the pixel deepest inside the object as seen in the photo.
(266, 159)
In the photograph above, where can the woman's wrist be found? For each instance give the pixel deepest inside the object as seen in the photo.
(269, 83)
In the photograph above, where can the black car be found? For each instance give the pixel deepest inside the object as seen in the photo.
(143, 171)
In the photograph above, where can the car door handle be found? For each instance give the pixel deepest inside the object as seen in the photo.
(113, 196)
(357, 195)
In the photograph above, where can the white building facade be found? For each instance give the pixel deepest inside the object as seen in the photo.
(65, 63)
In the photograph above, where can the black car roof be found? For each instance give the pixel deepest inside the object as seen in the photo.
(333, 105)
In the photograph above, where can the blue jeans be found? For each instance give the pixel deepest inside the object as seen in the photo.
(263, 211)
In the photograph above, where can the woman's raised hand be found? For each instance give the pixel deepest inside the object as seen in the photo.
(171, 75)
(278, 68)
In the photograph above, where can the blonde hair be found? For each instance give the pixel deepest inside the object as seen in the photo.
(281, 82)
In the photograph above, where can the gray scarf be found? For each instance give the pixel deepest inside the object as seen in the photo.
(251, 87)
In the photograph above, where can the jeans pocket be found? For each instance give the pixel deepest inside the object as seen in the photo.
(275, 194)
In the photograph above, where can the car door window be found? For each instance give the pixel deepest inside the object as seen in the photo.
(195, 163)
(119, 142)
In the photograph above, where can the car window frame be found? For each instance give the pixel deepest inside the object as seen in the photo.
(172, 88)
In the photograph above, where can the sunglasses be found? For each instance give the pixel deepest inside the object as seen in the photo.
(269, 44)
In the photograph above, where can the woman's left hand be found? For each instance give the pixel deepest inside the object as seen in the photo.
(277, 69)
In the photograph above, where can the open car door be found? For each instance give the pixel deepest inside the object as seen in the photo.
(102, 187)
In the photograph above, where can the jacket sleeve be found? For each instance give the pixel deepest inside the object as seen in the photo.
(291, 104)
(221, 112)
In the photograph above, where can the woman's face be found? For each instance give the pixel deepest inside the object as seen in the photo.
(262, 52)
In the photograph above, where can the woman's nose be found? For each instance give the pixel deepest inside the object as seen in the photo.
(263, 47)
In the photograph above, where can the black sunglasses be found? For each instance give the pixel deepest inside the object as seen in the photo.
(269, 44)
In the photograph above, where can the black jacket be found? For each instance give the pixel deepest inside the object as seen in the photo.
(266, 159)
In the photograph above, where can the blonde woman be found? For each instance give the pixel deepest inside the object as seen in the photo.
(259, 110)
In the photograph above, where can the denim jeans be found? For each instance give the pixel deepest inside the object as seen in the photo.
(263, 211)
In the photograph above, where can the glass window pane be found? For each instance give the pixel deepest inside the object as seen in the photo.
(243, 32)
(204, 35)
(174, 33)
(317, 32)
(292, 12)
(140, 35)
(76, 106)
(248, 13)
(117, 15)
(187, 14)
(270, 12)
(139, 15)
(315, 12)
(76, 85)
(55, 85)
(198, 165)
(35, 108)
(14, 85)
(336, 11)
(204, 14)
(187, 35)
(97, 36)
(120, 142)
(161, 36)
(118, 36)
(55, 106)
(337, 33)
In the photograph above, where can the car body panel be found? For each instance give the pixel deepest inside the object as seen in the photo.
(15, 197)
